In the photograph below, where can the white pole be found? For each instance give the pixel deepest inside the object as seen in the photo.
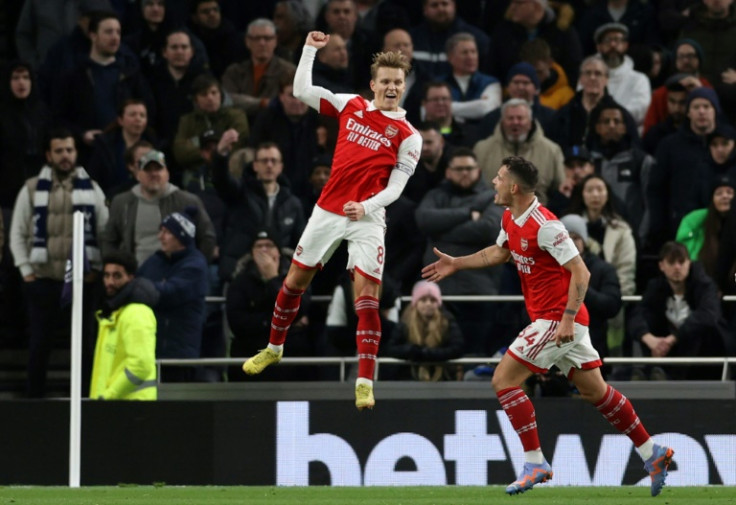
(75, 396)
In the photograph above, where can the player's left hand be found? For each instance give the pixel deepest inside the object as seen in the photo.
(353, 210)
(565, 332)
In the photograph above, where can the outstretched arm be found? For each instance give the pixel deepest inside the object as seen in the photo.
(447, 265)
(304, 90)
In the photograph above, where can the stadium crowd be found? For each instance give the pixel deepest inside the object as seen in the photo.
(174, 127)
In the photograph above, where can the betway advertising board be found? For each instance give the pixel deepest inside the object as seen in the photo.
(401, 442)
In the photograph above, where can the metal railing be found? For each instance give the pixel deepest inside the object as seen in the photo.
(343, 362)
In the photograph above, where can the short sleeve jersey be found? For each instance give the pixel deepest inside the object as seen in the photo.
(540, 245)
(370, 144)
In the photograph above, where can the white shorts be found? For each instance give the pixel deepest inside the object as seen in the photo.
(535, 348)
(324, 232)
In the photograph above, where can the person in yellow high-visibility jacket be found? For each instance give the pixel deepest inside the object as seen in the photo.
(125, 356)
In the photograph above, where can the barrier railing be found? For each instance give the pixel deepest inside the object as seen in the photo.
(343, 362)
(466, 298)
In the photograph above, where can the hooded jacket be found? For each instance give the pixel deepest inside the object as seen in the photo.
(125, 355)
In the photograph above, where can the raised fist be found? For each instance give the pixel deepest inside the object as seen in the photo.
(317, 39)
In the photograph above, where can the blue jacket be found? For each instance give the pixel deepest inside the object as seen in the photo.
(429, 47)
(478, 82)
(182, 282)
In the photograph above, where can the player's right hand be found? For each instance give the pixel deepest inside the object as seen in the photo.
(443, 267)
(317, 39)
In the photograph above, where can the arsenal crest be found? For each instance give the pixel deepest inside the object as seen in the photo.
(524, 244)
(391, 131)
(299, 250)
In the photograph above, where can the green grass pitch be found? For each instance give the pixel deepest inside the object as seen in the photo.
(445, 495)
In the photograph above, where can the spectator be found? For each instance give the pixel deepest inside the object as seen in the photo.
(179, 273)
(673, 15)
(474, 93)
(521, 82)
(172, 82)
(688, 59)
(671, 193)
(23, 126)
(254, 202)
(555, 90)
(208, 114)
(293, 21)
(528, 20)
(578, 165)
(41, 238)
(712, 24)
(430, 170)
(42, 23)
(569, 127)
(70, 50)
(458, 216)
(107, 78)
(107, 164)
(614, 241)
(594, 202)
(639, 18)
(518, 134)
(135, 215)
(676, 96)
(603, 297)
(149, 42)
(249, 306)
(627, 86)
(437, 105)
(341, 18)
(722, 160)
(405, 245)
(218, 35)
(319, 173)
(331, 67)
(430, 38)
(680, 315)
(125, 354)
(623, 165)
(252, 83)
(427, 335)
(700, 230)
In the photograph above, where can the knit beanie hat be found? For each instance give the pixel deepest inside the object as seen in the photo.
(695, 45)
(181, 225)
(707, 93)
(576, 224)
(523, 68)
(424, 288)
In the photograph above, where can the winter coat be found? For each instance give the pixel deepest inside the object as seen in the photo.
(545, 154)
(691, 232)
(603, 299)
(657, 111)
(42, 23)
(541, 114)
(182, 281)
(465, 105)
(556, 91)
(619, 249)
(717, 37)
(248, 211)
(120, 230)
(238, 82)
(639, 17)
(630, 88)
(125, 354)
(444, 215)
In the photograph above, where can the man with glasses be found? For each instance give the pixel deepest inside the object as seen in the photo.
(254, 201)
(437, 107)
(377, 151)
(254, 82)
(627, 86)
(459, 215)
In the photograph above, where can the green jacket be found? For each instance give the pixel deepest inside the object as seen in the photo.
(125, 356)
(691, 232)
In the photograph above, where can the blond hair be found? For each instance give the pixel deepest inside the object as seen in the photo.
(390, 59)
(426, 333)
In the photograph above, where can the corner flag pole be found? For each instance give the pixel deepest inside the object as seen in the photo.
(75, 396)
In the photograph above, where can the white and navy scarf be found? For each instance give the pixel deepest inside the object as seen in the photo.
(83, 199)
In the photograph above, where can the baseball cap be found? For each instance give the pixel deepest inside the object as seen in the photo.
(209, 135)
(152, 156)
(573, 153)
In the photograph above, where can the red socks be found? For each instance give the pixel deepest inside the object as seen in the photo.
(617, 409)
(284, 312)
(368, 335)
(521, 413)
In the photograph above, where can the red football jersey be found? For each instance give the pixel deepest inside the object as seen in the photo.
(540, 245)
(370, 142)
